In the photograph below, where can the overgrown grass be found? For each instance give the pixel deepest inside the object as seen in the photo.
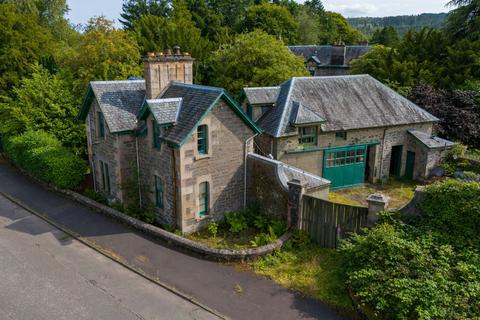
(309, 269)
(473, 154)
(400, 193)
(224, 239)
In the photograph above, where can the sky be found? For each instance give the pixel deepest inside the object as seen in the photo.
(82, 10)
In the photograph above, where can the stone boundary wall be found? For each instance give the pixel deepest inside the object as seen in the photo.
(411, 208)
(221, 255)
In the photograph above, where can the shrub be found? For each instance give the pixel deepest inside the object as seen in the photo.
(451, 210)
(398, 272)
(43, 156)
(212, 229)
(89, 193)
(236, 221)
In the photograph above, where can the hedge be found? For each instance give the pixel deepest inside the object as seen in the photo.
(43, 156)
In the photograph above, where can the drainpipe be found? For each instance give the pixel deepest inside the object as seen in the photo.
(175, 185)
(245, 171)
(138, 174)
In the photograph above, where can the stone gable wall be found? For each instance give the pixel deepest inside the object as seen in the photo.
(223, 167)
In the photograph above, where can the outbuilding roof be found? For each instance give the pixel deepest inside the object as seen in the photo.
(322, 55)
(119, 101)
(344, 102)
(431, 142)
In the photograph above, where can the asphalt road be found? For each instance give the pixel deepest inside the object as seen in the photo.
(45, 274)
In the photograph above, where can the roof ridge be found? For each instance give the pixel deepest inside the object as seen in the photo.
(282, 118)
(116, 81)
(164, 99)
(334, 77)
(197, 86)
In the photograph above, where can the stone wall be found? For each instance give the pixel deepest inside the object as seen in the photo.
(106, 149)
(380, 155)
(223, 168)
(264, 144)
(159, 163)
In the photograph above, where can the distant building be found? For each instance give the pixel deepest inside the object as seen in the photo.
(346, 129)
(329, 60)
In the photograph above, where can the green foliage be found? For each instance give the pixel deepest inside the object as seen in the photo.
(264, 238)
(236, 221)
(387, 36)
(44, 102)
(42, 155)
(335, 28)
(104, 53)
(464, 21)
(154, 33)
(273, 19)
(212, 229)
(400, 273)
(133, 10)
(451, 211)
(95, 196)
(246, 63)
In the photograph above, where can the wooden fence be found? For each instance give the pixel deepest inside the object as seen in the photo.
(329, 222)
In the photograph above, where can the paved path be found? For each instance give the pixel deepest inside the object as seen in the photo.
(45, 274)
(238, 295)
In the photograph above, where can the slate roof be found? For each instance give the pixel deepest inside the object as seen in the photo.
(165, 111)
(431, 142)
(345, 102)
(120, 102)
(322, 55)
(262, 95)
(302, 115)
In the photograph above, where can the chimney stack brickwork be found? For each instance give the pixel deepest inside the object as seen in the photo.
(161, 68)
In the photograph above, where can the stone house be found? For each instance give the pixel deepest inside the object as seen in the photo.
(329, 60)
(188, 144)
(347, 129)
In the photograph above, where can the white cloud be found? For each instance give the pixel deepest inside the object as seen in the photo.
(354, 10)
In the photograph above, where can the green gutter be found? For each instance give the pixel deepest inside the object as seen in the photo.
(333, 148)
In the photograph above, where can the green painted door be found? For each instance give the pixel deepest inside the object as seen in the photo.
(410, 164)
(345, 166)
(396, 161)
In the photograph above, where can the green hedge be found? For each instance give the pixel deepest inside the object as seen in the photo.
(43, 156)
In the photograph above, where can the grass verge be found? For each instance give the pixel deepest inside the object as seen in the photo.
(225, 239)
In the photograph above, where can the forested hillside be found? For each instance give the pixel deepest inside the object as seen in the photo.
(402, 24)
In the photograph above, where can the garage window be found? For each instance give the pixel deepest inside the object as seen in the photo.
(342, 158)
(307, 136)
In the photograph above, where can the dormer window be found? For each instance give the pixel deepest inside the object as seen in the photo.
(202, 139)
(307, 136)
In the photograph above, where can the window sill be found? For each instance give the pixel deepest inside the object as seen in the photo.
(201, 156)
(204, 218)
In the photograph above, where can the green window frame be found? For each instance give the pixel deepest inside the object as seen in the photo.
(157, 144)
(105, 172)
(158, 192)
(101, 125)
(203, 199)
(345, 157)
(249, 110)
(307, 136)
(202, 139)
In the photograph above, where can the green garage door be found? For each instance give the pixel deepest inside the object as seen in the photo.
(345, 166)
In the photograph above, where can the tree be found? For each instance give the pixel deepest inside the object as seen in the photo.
(308, 26)
(387, 36)
(104, 53)
(158, 33)
(23, 42)
(133, 10)
(246, 63)
(464, 21)
(43, 102)
(274, 19)
(335, 28)
(315, 5)
(206, 19)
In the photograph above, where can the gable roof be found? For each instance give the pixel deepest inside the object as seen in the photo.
(261, 95)
(197, 102)
(302, 115)
(164, 111)
(322, 55)
(119, 102)
(345, 102)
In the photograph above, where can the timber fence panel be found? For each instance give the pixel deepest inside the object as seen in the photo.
(322, 219)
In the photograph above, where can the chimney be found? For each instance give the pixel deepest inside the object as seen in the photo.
(161, 68)
(339, 51)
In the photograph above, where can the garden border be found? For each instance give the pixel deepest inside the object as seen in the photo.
(221, 255)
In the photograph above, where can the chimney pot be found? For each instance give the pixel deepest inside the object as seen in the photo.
(177, 51)
(167, 51)
(151, 54)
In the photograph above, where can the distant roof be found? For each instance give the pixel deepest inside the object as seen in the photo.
(431, 142)
(345, 102)
(164, 111)
(119, 101)
(322, 55)
(262, 95)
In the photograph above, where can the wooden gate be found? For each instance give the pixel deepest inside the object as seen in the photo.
(328, 222)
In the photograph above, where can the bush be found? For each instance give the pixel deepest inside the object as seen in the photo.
(451, 211)
(398, 272)
(212, 229)
(43, 156)
(236, 221)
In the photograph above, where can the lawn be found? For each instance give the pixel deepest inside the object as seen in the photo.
(309, 269)
(400, 193)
